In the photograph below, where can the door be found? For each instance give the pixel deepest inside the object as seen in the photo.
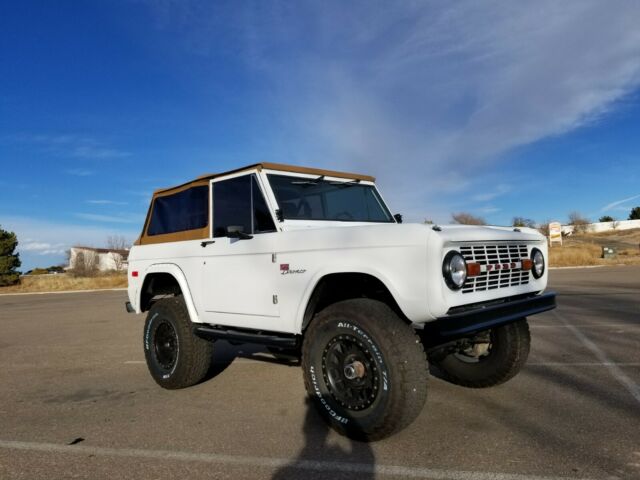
(239, 280)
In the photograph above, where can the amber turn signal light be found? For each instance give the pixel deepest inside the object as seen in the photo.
(473, 269)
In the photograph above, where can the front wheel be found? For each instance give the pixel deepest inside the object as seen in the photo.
(364, 368)
(488, 359)
(176, 358)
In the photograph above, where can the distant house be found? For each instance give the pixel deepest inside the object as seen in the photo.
(102, 259)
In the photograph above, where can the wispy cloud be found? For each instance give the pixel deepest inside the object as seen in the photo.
(79, 172)
(105, 202)
(423, 94)
(492, 193)
(44, 248)
(71, 145)
(95, 217)
(488, 209)
(617, 205)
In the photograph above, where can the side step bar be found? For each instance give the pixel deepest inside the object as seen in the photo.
(269, 339)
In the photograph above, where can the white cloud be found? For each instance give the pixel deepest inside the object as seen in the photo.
(69, 145)
(425, 95)
(79, 172)
(43, 248)
(491, 193)
(105, 202)
(43, 242)
(617, 205)
(95, 217)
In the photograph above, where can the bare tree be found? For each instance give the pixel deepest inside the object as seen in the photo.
(543, 228)
(523, 222)
(84, 263)
(116, 242)
(91, 263)
(118, 260)
(579, 222)
(465, 218)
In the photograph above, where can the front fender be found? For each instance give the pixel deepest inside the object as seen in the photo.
(407, 306)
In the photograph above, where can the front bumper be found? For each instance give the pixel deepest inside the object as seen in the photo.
(464, 322)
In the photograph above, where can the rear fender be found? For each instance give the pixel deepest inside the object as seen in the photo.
(176, 272)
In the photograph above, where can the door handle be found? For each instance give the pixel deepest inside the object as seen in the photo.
(207, 242)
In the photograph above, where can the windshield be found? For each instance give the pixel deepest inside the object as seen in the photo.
(319, 199)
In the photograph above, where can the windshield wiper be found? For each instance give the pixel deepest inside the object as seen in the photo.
(314, 181)
(350, 183)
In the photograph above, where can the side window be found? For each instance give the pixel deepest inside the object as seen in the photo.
(239, 203)
(232, 205)
(185, 210)
(262, 219)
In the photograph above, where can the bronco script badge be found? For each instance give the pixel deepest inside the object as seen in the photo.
(285, 270)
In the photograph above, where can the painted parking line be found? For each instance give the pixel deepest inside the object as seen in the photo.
(582, 364)
(619, 375)
(589, 325)
(65, 291)
(271, 462)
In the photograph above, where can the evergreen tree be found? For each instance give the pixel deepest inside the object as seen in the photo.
(9, 258)
(635, 213)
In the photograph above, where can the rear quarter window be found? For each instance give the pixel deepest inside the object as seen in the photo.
(185, 210)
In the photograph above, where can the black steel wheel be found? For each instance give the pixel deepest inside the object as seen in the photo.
(176, 358)
(364, 369)
(165, 345)
(350, 372)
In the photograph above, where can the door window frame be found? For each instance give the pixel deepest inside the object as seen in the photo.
(267, 195)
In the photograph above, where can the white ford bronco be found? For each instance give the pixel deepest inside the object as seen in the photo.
(311, 263)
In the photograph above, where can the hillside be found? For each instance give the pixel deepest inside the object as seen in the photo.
(586, 249)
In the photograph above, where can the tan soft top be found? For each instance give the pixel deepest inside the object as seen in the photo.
(270, 166)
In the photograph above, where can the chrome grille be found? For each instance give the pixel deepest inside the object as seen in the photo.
(495, 253)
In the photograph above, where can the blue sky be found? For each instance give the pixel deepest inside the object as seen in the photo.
(496, 108)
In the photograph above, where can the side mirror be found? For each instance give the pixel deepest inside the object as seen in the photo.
(237, 231)
(398, 217)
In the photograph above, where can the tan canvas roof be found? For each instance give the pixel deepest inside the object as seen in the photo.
(271, 166)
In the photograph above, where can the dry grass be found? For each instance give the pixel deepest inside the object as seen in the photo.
(62, 282)
(586, 249)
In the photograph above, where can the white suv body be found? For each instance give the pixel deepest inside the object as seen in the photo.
(311, 264)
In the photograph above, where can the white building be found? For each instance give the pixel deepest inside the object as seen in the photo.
(102, 259)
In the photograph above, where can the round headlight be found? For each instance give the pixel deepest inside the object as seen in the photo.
(454, 269)
(538, 263)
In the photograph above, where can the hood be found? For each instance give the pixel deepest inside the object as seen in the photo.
(471, 233)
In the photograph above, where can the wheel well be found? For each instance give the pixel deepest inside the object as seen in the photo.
(155, 286)
(336, 287)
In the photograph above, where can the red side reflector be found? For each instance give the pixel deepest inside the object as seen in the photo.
(134, 273)
(473, 269)
(527, 264)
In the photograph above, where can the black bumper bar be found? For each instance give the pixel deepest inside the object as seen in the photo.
(468, 322)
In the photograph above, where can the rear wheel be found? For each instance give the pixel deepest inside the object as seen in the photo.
(176, 358)
(488, 359)
(364, 368)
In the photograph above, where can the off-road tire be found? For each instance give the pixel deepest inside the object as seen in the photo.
(169, 318)
(509, 351)
(390, 345)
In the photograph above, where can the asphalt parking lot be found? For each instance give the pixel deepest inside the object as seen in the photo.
(73, 372)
